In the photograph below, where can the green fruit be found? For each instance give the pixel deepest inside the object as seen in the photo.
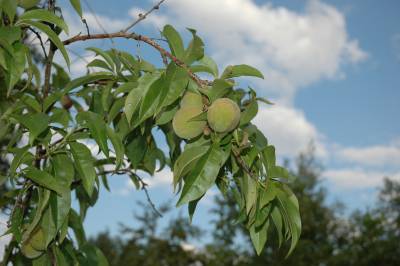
(26, 4)
(29, 251)
(223, 115)
(37, 240)
(183, 127)
(191, 99)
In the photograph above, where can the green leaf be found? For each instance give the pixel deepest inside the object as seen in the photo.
(49, 101)
(174, 41)
(250, 192)
(249, 113)
(42, 15)
(19, 157)
(219, 88)
(267, 195)
(52, 36)
(44, 179)
(192, 208)
(176, 80)
(100, 64)
(31, 102)
(75, 222)
(44, 196)
(118, 146)
(84, 165)
(167, 115)
(241, 70)
(279, 172)
(63, 168)
(60, 116)
(269, 157)
(259, 237)
(16, 65)
(10, 34)
(203, 176)
(186, 161)
(289, 209)
(195, 50)
(35, 123)
(277, 220)
(206, 64)
(103, 54)
(97, 128)
(135, 95)
(10, 8)
(136, 148)
(150, 100)
(60, 206)
(76, 4)
(115, 109)
(60, 259)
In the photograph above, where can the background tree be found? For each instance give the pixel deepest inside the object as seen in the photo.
(148, 244)
(52, 119)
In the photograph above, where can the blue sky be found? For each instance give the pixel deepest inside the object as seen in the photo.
(332, 68)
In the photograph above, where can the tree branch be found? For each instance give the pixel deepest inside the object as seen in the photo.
(143, 16)
(145, 39)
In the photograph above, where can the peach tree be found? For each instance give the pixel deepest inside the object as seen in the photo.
(117, 106)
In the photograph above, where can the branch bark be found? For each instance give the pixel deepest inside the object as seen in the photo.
(143, 16)
(142, 38)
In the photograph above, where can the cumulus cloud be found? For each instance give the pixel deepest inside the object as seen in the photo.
(357, 178)
(379, 155)
(293, 49)
(289, 130)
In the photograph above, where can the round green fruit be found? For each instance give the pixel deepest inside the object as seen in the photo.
(223, 115)
(191, 99)
(26, 4)
(37, 240)
(183, 127)
(29, 251)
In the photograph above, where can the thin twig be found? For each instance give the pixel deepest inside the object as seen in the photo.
(47, 71)
(143, 16)
(86, 25)
(243, 164)
(40, 40)
(143, 184)
(144, 39)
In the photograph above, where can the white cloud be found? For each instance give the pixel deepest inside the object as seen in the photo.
(288, 129)
(357, 178)
(379, 155)
(293, 49)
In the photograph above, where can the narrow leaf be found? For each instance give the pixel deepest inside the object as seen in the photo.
(241, 70)
(43, 15)
(44, 179)
(84, 165)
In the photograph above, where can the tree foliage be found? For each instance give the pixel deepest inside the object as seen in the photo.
(54, 120)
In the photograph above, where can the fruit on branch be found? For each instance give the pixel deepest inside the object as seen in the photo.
(184, 127)
(29, 251)
(223, 115)
(191, 99)
(26, 4)
(37, 240)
